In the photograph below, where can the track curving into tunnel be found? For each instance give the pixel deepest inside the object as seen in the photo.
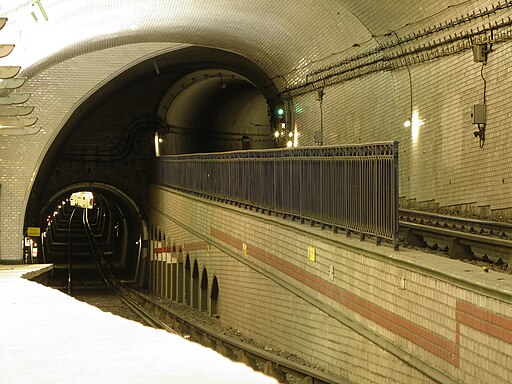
(80, 243)
(82, 248)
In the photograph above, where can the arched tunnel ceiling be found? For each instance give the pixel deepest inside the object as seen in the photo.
(280, 37)
(284, 41)
(173, 66)
(201, 95)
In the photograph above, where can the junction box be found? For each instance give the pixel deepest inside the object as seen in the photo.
(478, 114)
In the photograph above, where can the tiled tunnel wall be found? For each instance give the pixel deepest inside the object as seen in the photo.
(442, 164)
(113, 151)
(440, 158)
(400, 301)
(55, 95)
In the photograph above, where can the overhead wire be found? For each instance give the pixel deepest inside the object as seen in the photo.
(324, 73)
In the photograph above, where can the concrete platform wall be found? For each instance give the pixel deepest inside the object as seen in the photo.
(357, 310)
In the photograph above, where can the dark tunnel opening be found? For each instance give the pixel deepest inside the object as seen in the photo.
(199, 100)
(214, 110)
(117, 228)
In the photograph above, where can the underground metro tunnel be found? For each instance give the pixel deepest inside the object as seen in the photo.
(192, 100)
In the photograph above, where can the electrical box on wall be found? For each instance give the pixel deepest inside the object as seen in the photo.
(478, 114)
(479, 53)
(319, 137)
(319, 94)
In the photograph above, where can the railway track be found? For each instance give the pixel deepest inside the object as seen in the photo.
(110, 283)
(158, 315)
(108, 293)
(461, 238)
(274, 365)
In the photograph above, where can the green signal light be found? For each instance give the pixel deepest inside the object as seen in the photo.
(280, 111)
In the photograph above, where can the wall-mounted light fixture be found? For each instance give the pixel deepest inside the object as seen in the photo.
(415, 123)
(222, 83)
(157, 144)
(41, 8)
(6, 49)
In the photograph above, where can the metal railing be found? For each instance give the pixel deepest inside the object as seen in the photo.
(351, 187)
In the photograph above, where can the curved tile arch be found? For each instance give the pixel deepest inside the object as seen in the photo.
(278, 38)
(379, 17)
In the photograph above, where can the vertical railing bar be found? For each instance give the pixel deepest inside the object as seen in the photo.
(395, 191)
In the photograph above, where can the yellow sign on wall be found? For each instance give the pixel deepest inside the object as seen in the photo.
(311, 253)
(33, 231)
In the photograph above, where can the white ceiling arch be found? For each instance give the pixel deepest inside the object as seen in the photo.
(277, 36)
(286, 39)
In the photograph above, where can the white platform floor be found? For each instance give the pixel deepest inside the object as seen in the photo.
(49, 337)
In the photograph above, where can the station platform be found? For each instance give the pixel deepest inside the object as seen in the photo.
(47, 336)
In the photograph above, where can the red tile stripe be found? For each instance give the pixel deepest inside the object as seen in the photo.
(196, 246)
(434, 343)
(188, 247)
(226, 238)
(490, 323)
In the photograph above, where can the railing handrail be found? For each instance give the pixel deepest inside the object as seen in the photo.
(290, 151)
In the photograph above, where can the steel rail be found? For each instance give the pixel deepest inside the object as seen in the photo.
(473, 222)
(474, 233)
(69, 253)
(202, 334)
(469, 239)
(107, 278)
(473, 238)
(150, 319)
